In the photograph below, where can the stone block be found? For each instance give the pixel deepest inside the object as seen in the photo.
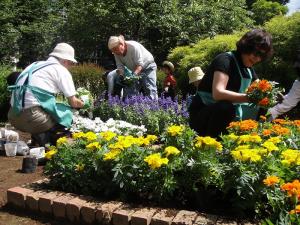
(16, 196)
(88, 212)
(142, 216)
(59, 206)
(122, 216)
(184, 217)
(104, 212)
(163, 217)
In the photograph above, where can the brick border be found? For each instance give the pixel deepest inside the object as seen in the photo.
(86, 210)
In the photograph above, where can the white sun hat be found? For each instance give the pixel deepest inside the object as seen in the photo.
(64, 51)
(195, 74)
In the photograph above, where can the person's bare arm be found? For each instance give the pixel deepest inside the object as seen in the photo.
(75, 102)
(138, 70)
(219, 91)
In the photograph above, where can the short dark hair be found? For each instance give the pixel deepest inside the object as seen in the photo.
(255, 40)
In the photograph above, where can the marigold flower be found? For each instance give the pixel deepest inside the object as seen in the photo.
(175, 130)
(171, 150)
(264, 85)
(79, 167)
(93, 146)
(50, 154)
(61, 141)
(107, 135)
(266, 132)
(111, 155)
(156, 161)
(271, 180)
(264, 102)
(296, 210)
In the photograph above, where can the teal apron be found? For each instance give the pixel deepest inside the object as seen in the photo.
(243, 110)
(60, 112)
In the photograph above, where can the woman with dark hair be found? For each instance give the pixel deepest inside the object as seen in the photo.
(221, 96)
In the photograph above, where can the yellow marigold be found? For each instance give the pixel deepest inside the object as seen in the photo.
(175, 130)
(244, 153)
(50, 154)
(291, 157)
(232, 136)
(61, 141)
(90, 136)
(78, 135)
(107, 135)
(270, 146)
(117, 145)
(111, 155)
(207, 142)
(156, 161)
(93, 146)
(171, 150)
(296, 210)
(271, 180)
(275, 140)
(249, 138)
(79, 167)
(151, 138)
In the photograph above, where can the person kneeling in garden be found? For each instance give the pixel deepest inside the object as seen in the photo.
(221, 96)
(33, 105)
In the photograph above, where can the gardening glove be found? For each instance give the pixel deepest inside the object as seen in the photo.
(166, 89)
(127, 72)
(86, 101)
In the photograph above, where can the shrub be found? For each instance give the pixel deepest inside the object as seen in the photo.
(89, 76)
(4, 93)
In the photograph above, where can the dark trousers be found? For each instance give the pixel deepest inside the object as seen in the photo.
(212, 120)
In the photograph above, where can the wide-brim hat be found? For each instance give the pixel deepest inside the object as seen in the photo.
(169, 64)
(195, 74)
(64, 51)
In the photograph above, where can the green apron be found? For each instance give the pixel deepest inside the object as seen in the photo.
(60, 112)
(243, 110)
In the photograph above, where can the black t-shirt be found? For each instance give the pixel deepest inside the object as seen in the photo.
(226, 64)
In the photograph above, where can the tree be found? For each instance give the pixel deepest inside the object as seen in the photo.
(264, 10)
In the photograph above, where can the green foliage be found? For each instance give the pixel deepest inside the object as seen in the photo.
(285, 31)
(200, 54)
(89, 76)
(264, 10)
(4, 96)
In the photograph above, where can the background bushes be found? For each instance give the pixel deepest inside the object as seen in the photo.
(4, 93)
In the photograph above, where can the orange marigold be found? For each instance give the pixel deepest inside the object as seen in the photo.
(280, 130)
(266, 132)
(297, 123)
(264, 102)
(293, 189)
(264, 85)
(271, 180)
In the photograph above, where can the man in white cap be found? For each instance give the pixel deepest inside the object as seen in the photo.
(134, 57)
(33, 105)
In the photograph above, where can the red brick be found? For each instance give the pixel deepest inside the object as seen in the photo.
(206, 219)
(16, 196)
(45, 202)
(142, 216)
(122, 216)
(104, 213)
(59, 206)
(32, 200)
(184, 217)
(73, 208)
(88, 212)
(163, 217)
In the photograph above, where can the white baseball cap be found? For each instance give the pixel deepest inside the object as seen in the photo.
(64, 51)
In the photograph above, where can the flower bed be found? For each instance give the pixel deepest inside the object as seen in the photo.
(252, 172)
(141, 110)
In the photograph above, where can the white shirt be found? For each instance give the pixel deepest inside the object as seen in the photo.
(290, 101)
(136, 55)
(53, 78)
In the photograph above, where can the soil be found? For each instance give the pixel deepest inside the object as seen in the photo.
(11, 176)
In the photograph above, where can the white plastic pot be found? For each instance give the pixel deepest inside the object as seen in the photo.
(37, 152)
(11, 148)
